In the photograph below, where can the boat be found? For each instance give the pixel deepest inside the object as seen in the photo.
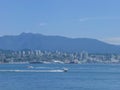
(65, 69)
(30, 67)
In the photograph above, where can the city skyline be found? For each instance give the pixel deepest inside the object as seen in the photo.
(70, 18)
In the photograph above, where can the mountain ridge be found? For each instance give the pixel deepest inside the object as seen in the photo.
(53, 43)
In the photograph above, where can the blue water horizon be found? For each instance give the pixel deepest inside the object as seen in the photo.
(78, 77)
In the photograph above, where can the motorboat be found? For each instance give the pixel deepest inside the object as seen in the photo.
(65, 69)
(30, 67)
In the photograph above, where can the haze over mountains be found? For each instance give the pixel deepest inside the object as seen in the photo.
(53, 43)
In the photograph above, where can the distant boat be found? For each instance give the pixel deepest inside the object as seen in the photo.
(30, 67)
(65, 69)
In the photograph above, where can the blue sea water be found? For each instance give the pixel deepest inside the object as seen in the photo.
(78, 77)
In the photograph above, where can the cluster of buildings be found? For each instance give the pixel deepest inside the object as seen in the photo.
(38, 56)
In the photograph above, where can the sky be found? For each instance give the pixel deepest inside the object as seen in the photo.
(98, 19)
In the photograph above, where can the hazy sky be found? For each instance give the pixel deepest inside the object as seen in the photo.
(99, 19)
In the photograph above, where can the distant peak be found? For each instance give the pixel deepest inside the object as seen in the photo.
(24, 34)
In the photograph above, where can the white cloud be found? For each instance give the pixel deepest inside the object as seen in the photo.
(84, 19)
(113, 40)
(43, 24)
(98, 18)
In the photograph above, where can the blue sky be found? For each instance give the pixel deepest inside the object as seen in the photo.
(99, 19)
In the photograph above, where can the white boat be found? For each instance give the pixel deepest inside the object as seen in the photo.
(30, 67)
(65, 69)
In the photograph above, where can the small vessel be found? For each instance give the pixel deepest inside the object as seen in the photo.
(65, 69)
(30, 67)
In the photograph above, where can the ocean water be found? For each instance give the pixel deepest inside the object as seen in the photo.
(78, 77)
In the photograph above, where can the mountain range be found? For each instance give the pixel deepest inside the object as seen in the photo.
(55, 43)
